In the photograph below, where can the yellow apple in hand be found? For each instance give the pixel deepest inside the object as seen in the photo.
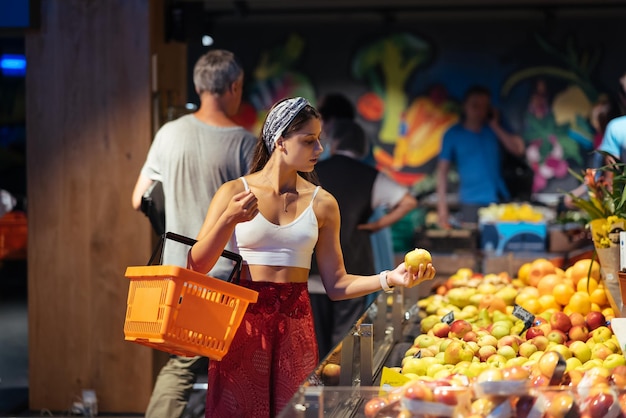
(416, 257)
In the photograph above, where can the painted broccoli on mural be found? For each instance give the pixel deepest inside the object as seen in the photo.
(558, 134)
(386, 65)
(275, 78)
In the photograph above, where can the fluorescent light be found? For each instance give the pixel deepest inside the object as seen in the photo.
(13, 64)
(207, 40)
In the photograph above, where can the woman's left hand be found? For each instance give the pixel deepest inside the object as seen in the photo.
(401, 276)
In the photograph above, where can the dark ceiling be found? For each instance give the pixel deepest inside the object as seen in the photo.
(255, 8)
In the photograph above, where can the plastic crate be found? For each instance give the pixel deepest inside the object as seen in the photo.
(13, 236)
(183, 312)
(447, 240)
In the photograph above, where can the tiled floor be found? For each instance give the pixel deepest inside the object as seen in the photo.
(14, 351)
(14, 344)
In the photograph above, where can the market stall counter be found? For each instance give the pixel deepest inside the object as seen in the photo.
(366, 375)
(350, 375)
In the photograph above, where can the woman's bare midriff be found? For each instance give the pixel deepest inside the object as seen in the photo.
(274, 274)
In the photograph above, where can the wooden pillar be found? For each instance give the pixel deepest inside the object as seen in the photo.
(89, 127)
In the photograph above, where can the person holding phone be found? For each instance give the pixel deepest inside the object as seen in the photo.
(475, 146)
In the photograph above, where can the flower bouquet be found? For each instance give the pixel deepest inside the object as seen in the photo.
(605, 207)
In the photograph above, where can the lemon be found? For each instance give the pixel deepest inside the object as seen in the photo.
(416, 257)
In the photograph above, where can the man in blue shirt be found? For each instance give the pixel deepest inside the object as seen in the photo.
(614, 140)
(474, 146)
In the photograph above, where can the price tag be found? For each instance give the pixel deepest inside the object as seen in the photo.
(391, 379)
(524, 315)
(448, 318)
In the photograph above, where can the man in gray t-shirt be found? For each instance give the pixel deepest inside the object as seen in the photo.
(192, 157)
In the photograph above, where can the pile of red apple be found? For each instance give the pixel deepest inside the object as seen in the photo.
(449, 397)
(508, 392)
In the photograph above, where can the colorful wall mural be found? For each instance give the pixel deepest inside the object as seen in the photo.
(407, 85)
(559, 133)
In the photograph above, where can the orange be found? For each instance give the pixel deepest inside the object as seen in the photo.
(569, 282)
(548, 302)
(587, 285)
(580, 270)
(560, 272)
(547, 283)
(522, 272)
(539, 268)
(562, 293)
(599, 296)
(580, 302)
(532, 305)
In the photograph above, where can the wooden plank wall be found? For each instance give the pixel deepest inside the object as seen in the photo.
(88, 132)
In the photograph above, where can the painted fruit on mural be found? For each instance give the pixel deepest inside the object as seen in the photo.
(426, 122)
(419, 139)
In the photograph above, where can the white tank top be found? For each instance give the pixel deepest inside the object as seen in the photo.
(260, 241)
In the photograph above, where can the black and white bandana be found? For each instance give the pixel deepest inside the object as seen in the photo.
(279, 118)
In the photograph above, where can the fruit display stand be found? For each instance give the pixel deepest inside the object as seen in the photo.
(350, 375)
(381, 371)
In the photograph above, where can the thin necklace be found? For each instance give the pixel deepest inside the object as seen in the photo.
(285, 194)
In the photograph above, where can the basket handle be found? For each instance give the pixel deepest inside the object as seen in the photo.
(234, 274)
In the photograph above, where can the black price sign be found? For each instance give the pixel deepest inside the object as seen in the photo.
(524, 315)
(448, 318)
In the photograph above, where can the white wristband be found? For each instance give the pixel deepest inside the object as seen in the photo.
(382, 276)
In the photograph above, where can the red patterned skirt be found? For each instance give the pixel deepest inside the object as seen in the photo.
(273, 352)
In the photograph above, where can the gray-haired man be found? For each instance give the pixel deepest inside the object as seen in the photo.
(193, 156)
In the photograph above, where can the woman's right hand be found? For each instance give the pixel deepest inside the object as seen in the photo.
(242, 207)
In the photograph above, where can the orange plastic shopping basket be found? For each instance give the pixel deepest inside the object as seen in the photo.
(184, 312)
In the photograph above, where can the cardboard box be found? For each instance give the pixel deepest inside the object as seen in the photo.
(448, 264)
(567, 237)
(502, 237)
(447, 240)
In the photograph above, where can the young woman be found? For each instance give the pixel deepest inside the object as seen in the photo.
(275, 217)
